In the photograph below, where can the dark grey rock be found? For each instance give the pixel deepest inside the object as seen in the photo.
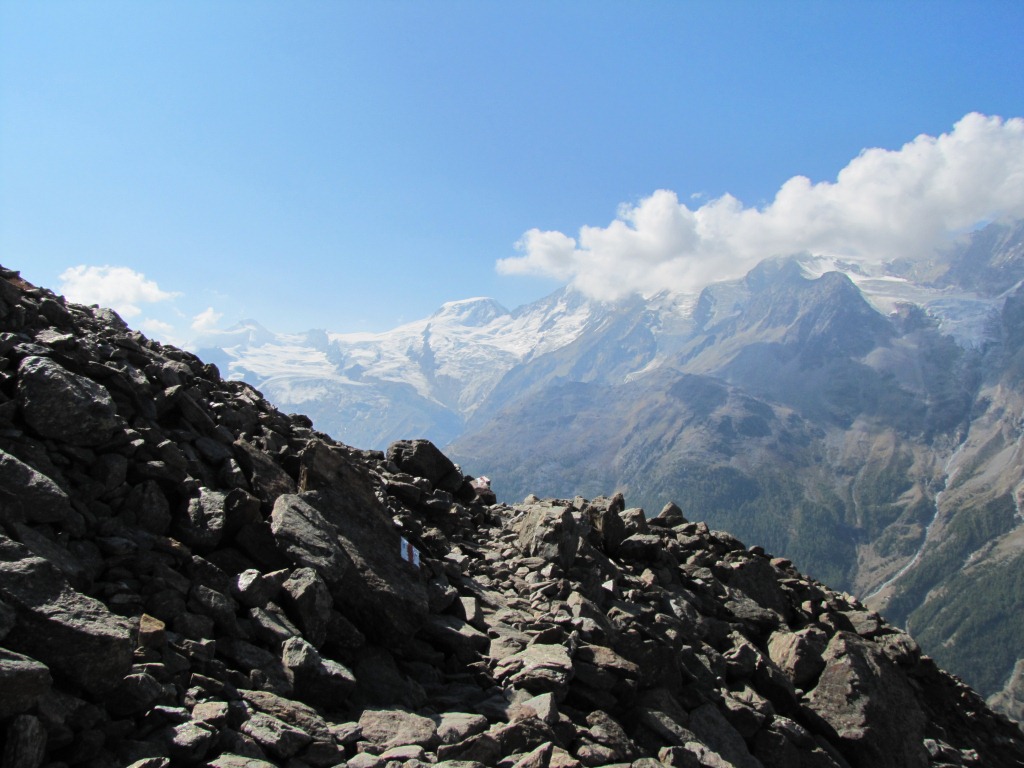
(870, 704)
(393, 728)
(23, 681)
(74, 635)
(276, 736)
(314, 678)
(549, 532)
(295, 713)
(62, 405)
(421, 458)
(29, 495)
(25, 745)
(309, 601)
(203, 525)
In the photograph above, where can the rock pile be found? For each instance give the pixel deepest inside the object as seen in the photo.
(189, 577)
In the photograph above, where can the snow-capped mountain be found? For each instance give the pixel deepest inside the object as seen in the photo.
(425, 378)
(432, 377)
(863, 420)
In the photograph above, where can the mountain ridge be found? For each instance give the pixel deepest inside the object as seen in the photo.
(189, 576)
(874, 376)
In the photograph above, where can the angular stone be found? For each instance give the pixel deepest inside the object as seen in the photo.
(421, 458)
(203, 524)
(74, 635)
(539, 668)
(27, 495)
(134, 694)
(25, 745)
(606, 731)
(189, 742)
(314, 678)
(276, 736)
(308, 539)
(483, 749)
(294, 713)
(715, 731)
(644, 547)
(365, 760)
(386, 598)
(456, 637)
(661, 713)
(542, 707)
(870, 704)
(389, 728)
(213, 712)
(266, 477)
(228, 760)
(799, 654)
(549, 532)
(310, 602)
(458, 726)
(62, 405)
(23, 681)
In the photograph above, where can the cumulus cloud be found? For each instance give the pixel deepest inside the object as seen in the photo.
(884, 205)
(119, 288)
(206, 320)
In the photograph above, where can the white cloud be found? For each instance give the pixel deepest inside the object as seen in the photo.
(157, 328)
(885, 204)
(120, 288)
(206, 320)
(161, 331)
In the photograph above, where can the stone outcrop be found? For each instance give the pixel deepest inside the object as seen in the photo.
(190, 577)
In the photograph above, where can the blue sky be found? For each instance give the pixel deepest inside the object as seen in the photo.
(353, 165)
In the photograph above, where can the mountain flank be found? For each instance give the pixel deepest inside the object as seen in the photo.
(190, 577)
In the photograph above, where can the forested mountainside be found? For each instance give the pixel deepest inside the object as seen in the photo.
(188, 576)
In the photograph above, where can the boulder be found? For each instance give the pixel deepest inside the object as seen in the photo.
(315, 679)
(421, 458)
(309, 602)
(539, 668)
(27, 495)
(74, 635)
(384, 596)
(799, 654)
(870, 704)
(62, 405)
(278, 738)
(23, 680)
(550, 532)
(389, 728)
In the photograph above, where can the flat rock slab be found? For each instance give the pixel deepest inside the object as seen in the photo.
(539, 668)
(394, 728)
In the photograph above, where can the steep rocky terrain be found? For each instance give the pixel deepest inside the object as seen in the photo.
(190, 577)
(868, 427)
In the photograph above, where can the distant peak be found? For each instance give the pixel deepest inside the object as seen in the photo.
(476, 311)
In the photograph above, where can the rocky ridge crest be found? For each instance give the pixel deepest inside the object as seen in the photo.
(190, 577)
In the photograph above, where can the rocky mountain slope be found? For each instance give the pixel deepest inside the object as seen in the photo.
(879, 451)
(861, 420)
(189, 576)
